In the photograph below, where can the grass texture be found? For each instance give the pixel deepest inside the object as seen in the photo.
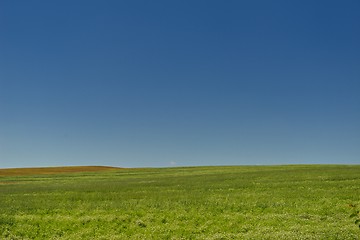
(234, 202)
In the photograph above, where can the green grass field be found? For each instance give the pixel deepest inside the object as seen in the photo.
(243, 202)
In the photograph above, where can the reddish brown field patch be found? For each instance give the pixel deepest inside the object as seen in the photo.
(53, 170)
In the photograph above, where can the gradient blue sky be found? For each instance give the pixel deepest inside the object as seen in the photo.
(175, 83)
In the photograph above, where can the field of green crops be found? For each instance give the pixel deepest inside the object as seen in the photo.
(242, 202)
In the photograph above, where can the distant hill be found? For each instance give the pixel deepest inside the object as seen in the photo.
(52, 170)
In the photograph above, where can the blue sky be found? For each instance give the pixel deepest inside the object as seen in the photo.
(178, 83)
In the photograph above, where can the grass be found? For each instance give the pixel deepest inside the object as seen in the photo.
(239, 202)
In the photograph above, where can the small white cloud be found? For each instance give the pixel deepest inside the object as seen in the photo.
(172, 163)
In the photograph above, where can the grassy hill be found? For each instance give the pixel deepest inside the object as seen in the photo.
(235, 202)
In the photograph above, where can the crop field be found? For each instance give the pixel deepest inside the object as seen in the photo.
(233, 202)
(51, 170)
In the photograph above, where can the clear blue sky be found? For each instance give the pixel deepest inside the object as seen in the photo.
(163, 83)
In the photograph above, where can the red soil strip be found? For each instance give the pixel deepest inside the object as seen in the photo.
(53, 170)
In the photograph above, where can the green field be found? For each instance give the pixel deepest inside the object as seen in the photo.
(242, 202)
